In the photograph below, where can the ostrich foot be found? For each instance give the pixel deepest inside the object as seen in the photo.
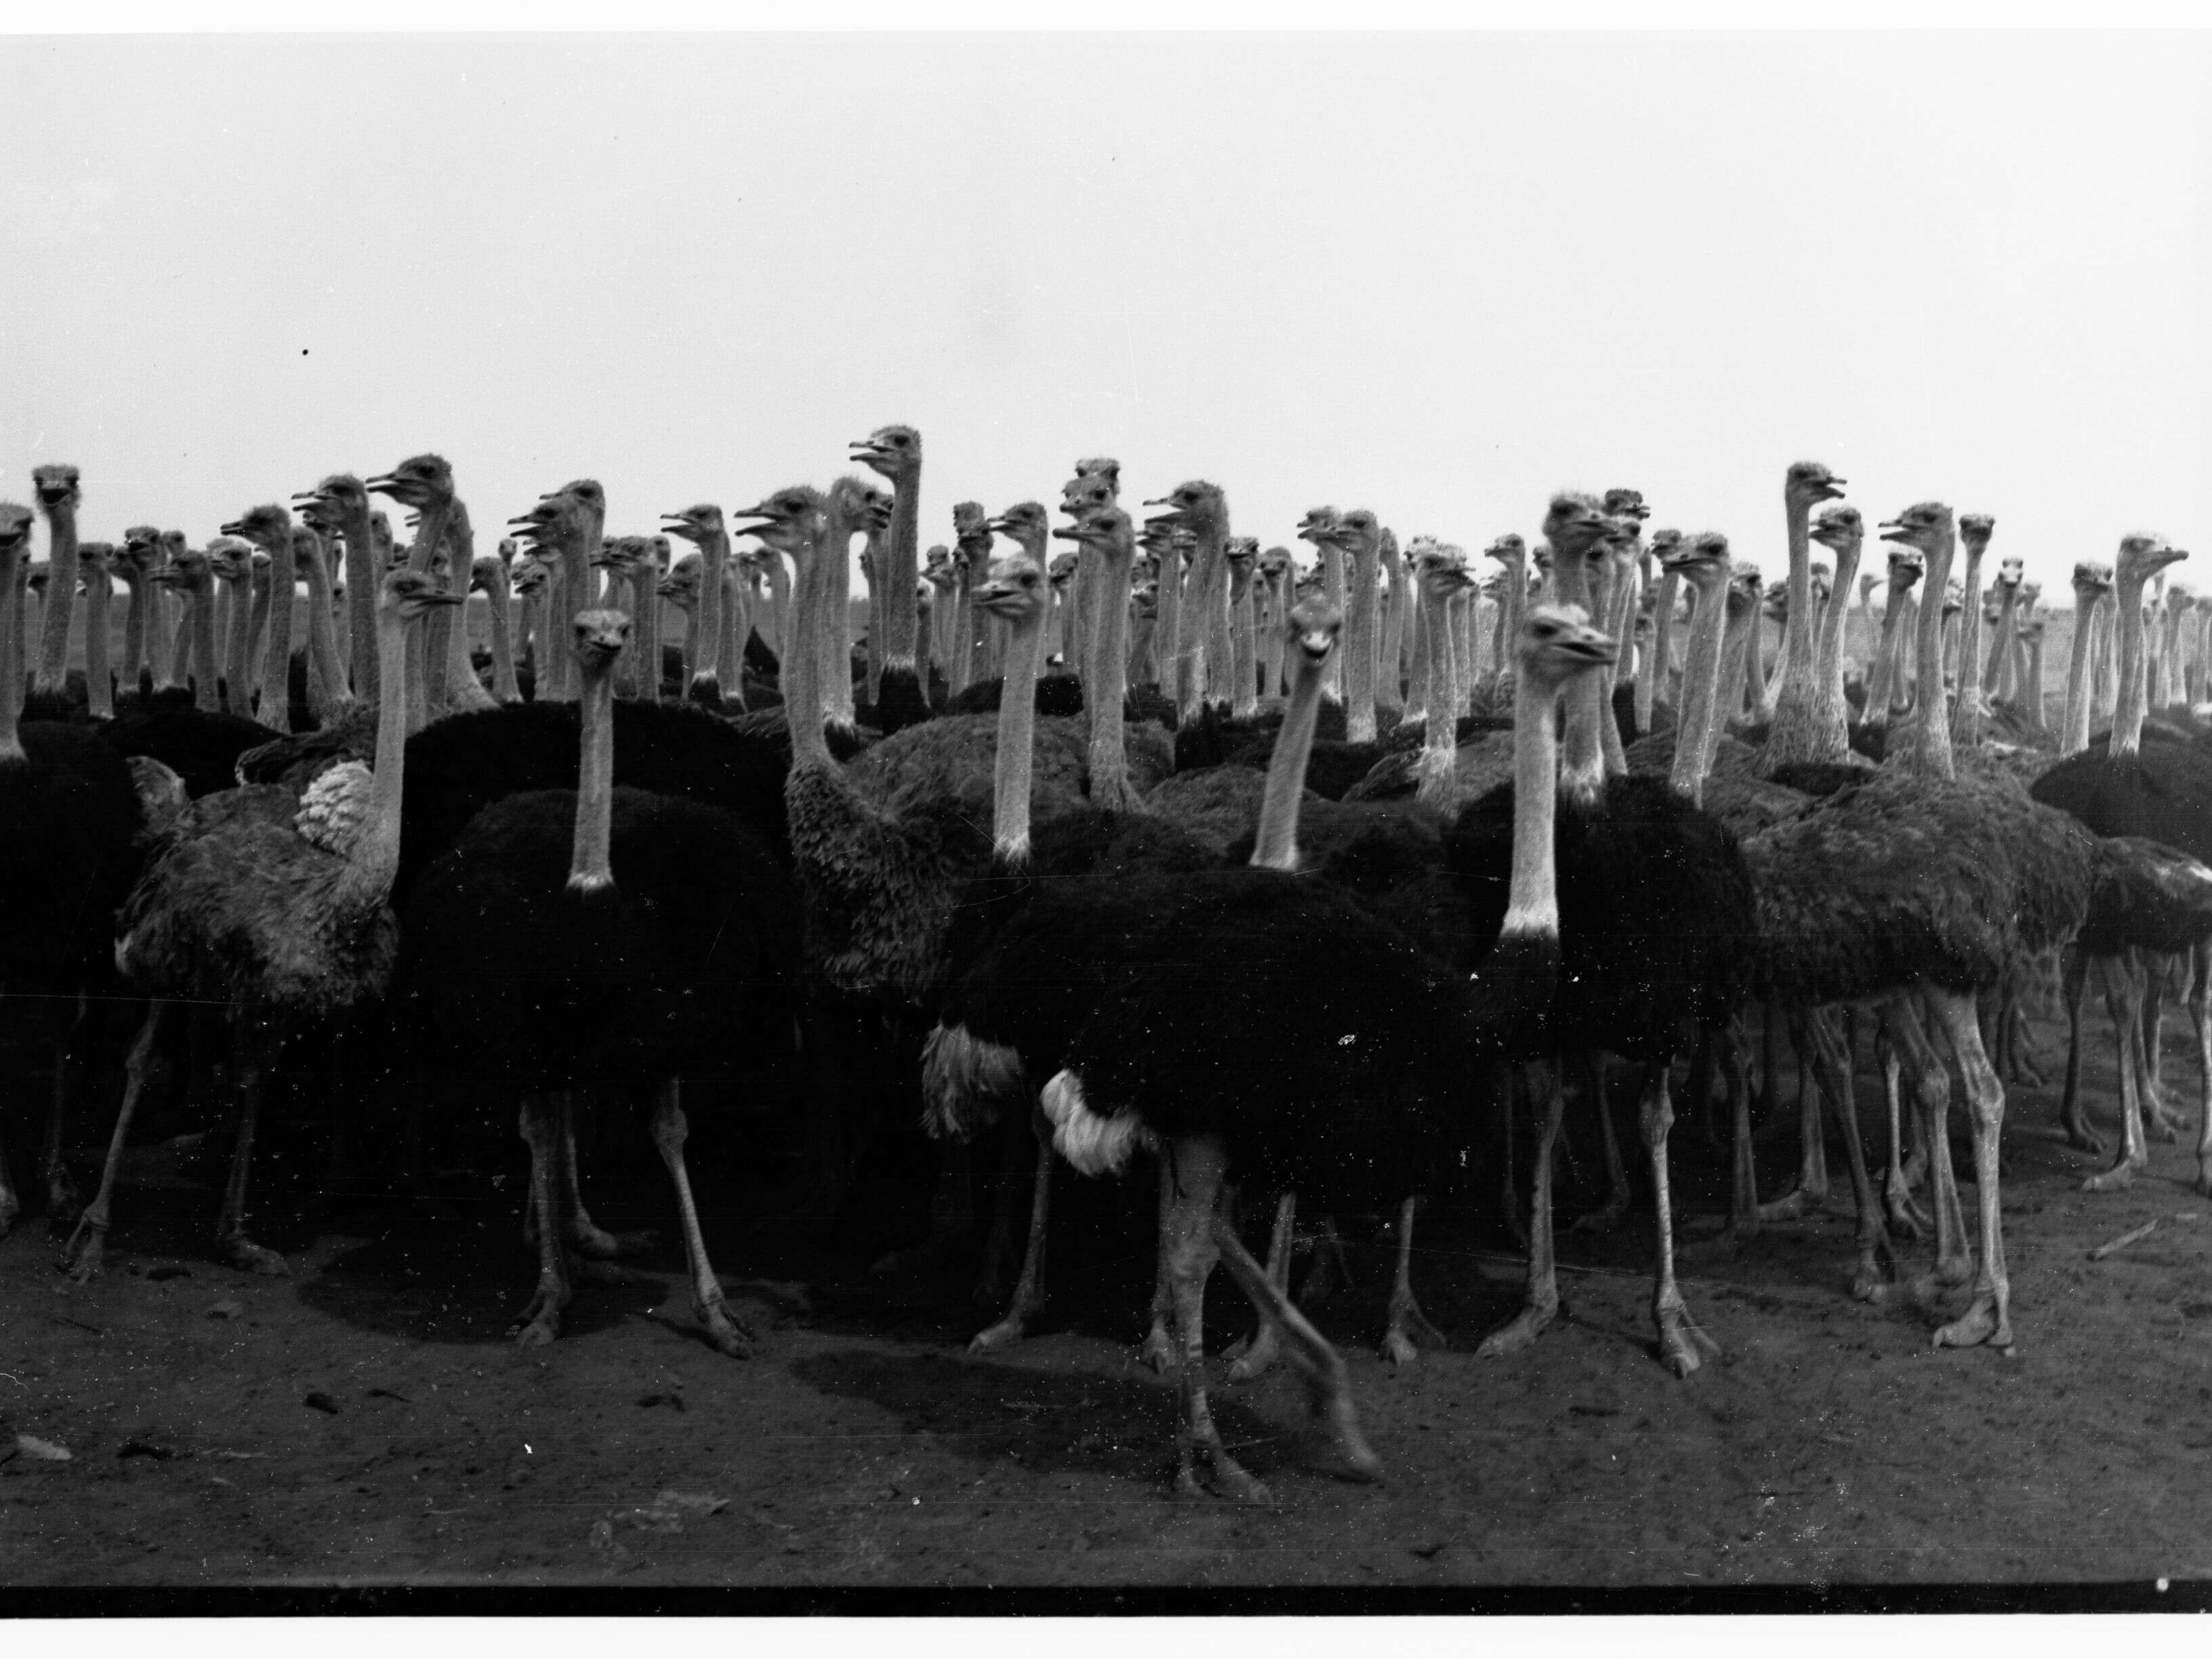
(1518, 1333)
(1227, 1479)
(1925, 1290)
(63, 1206)
(594, 1243)
(2073, 1126)
(1359, 1459)
(82, 1255)
(1792, 1205)
(1906, 1215)
(608, 1275)
(1262, 1352)
(2164, 1122)
(1982, 1324)
(1604, 1219)
(1682, 1346)
(1876, 1268)
(243, 1254)
(1013, 1329)
(724, 1328)
(2204, 1176)
(1407, 1325)
(2118, 1178)
(1156, 1351)
(539, 1323)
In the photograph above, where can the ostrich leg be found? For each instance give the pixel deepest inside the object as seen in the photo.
(670, 1129)
(2200, 1009)
(1543, 1303)
(1812, 1186)
(2125, 980)
(1987, 1318)
(999, 1248)
(81, 1254)
(1264, 1348)
(2162, 974)
(1605, 1219)
(61, 1191)
(2072, 1119)
(1833, 1056)
(1906, 1216)
(1932, 1093)
(256, 1049)
(1682, 1347)
(1191, 1244)
(1029, 1288)
(1397, 1345)
(1157, 1349)
(541, 1321)
(590, 1241)
(1320, 1367)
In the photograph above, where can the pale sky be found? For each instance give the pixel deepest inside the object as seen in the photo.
(1436, 276)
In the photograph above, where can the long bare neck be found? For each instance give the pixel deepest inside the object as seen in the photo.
(61, 597)
(902, 566)
(1359, 620)
(500, 595)
(277, 653)
(705, 662)
(2002, 638)
(736, 626)
(1331, 588)
(1195, 620)
(1010, 765)
(2032, 684)
(1244, 675)
(1651, 668)
(1103, 694)
(1439, 784)
(1882, 682)
(1828, 657)
(1931, 748)
(591, 864)
(1966, 713)
(804, 707)
(645, 613)
(1581, 761)
(1754, 667)
(374, 859)
(1390, 669)
(137, 656)
(834, 635)
(362, 581)
(1276, 845)
(1798, 686)
(240, 645)
(2074, 737)
(11, 655)
(2133, 693)
(450, 624)
(99, 690)
(690, 640)
(1168, 630)
(199, 613)
(1697, 723)
(326, 682)
(1532, 902)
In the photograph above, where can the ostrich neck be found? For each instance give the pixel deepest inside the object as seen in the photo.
(2134, 695)
(363, 581)
(1582, 761)
(11, 659)
(1882, 680)
(1532, 902)
(1931, 751)
(1391, 660)
(1440, 730)
(176, 613)
(1194, 622)
(1167, 625)
(449, 624)
(1276, 845)
(1828, 657)
(1739, 638)
(1798, 687)
(199, 618)
(902, 617)
(690, 610)
(137, 658)
(704, 659)
(1359, 644)
(2075, 737)
(1651, 668)
(1104, 696)
(1696, 722)
(374, 858)
(99, 690)
(326, 686)
(1458, 676)
(1331, 588)
(276, 658)
(61, 596)
(2002, 637)
(500, 595)
(1966, 714)
(2031, 687)
(1010, 764)
(238, 646)
(1754, 666)
(591, 865)
(1245, 671)
(833, 629)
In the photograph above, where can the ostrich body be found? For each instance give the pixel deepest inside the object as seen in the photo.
(69, 816)
(275, 907)
(603, 934)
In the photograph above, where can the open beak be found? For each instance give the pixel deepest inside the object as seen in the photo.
(235, 527)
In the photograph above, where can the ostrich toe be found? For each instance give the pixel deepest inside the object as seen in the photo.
(1004, 1334)
(1157, 1350)
(1407, 1326)
(83, 1255)
(1516, 1332)
(1981, 1325)
(725, 1329)
(2164, 1122)
(1259, 1355)
(1906, 1215)
(2118, 1178)
(1683, 1346)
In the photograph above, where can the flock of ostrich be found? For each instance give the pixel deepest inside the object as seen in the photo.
(1257, 880)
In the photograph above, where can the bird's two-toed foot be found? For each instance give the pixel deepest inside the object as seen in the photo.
(2079, 1135)
(2118, 1178)
(1008, 1332)
(83, 1255)
(2164, 1122)
(1682, 1346)
(1518, 1332)
(243, 1254)
(540, 1323)
(1906, 1215)
(1877, 1267)
(725, 1329)
(1926, 1290)
(1408, 1326)
(1156, 1351)
(1257, 1356)
(1797, 1202)
(1227, 1478)
(1983, 1324)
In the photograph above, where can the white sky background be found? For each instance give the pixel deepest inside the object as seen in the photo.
(1435, 275)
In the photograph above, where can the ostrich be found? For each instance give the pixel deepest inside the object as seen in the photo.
(2162, 792)
(69, 815)
(490, 576)
(901, 699)
(95, 565)
(57, 490)
(275, 906)
(1133, 989)
(136, 561)
(680, 587)
(1654, 904)
(702, 525)
(1998, 682)
(270, 529)
(1996, 879)
(425, 482)
(628, 561)
(1652, 666)
(602, 933)
(328, 699)
(1885, 681)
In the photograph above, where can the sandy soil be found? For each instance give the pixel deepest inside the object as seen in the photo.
(861, 1447)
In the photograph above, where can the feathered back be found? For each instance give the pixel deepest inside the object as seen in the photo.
(337, 803)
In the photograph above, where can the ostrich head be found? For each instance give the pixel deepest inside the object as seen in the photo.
(937, 568)
(97, 559)
(1062, 571)
(1386, 549)
(1439, 572)
(1024, 522)
(1274, 562)
(1312, 628)
(1147, 598)
(55, 486)
(2142, 554)
(1358, 532)
(140, 553)
(228, 557)
(1974, 529)
(1097, 483)
(1243, 553)
(268, 527)
(1663, 543)
(1954, 597)
(1745, 585)
(1625, 504)
(484, 572)
(1195, 505)
(680, 586)
(1318, 526)
(893, 452)
(332, 502)
(695, 523)
(186, 570)
(2031, 630)
(598, 637)
(15, 529)
(1808, 482)
(875, 507)
(411, 594)
(530, 577)
(2029, 593)
(1106, 528)
(1014, 588)
(2010, 571)
(1690, 557)
(1557, 642)
(971, 533)
(1906, 567)
(624, 555)
(1507, 548)
(1921, 525)
(307, 547)
(418, 482)
(1838, 527)
(1575, 526)
(787, 520)
(1823, 583)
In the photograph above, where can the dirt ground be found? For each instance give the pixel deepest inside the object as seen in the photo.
(367, 1420)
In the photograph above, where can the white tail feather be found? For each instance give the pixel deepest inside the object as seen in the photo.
(1095, 1146)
